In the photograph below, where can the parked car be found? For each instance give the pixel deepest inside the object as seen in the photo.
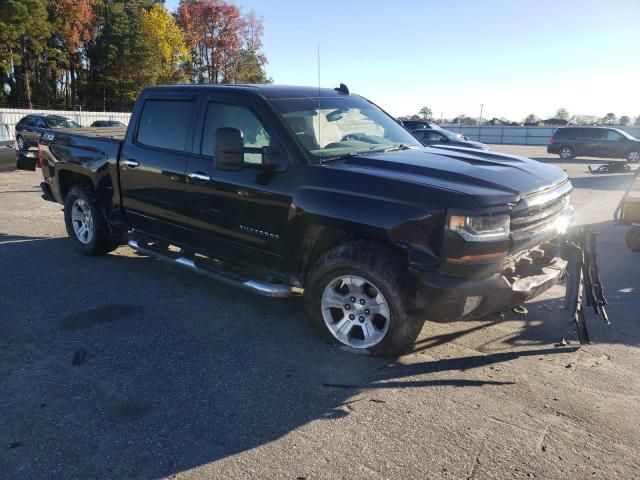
(30, 128)
(107, 123)
(263, 188)
(572, 142)
(430, 137)
(412, 125)
(7, 147)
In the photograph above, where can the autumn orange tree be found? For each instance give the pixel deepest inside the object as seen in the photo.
(225, 45)
(73, 27)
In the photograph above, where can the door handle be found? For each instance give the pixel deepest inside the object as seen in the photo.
(199, 176)
(130, 162)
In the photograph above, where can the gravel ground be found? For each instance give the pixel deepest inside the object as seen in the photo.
(122, 367)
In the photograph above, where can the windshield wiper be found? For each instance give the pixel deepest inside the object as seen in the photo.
(345, 156)
(395, 148)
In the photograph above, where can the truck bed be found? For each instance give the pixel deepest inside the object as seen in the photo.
(91, 148)
(109, 132)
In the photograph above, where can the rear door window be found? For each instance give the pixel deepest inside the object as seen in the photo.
(566, 133)
(166, 124)
(590, 134)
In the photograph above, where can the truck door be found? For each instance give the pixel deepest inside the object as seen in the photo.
(237, 215)
(153, 165)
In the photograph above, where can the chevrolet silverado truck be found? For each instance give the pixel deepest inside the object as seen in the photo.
(316, 192)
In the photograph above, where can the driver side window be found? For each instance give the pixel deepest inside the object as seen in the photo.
(221, 115)
(433, 137)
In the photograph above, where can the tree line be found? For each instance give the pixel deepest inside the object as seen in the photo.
(426, 114)
(99, 54)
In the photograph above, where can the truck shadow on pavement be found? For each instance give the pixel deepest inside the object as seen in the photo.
(120, 366)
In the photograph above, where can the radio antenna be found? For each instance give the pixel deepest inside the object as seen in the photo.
(319, 136)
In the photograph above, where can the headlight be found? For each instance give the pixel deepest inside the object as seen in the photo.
(480, 228)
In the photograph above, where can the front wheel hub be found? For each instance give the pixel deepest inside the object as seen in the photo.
(371, 321)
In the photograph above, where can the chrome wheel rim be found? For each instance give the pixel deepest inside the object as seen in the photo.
(82, 221)
(20, 143)
(355, 311)
(565, 152)
(633, 156)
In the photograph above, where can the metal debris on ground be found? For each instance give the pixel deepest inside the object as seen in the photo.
(611, 167)
(583, 280)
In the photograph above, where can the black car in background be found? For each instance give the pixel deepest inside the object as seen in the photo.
(29, 128)
(413, 125)
(572, 142)
(107, 123)
(430, 137)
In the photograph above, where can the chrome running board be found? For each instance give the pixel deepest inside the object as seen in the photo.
(256, 286)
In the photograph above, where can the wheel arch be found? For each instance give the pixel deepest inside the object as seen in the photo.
(68, 178)
(318, 240)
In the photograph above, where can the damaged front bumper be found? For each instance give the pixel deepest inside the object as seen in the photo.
(539, 266)
(444, 298)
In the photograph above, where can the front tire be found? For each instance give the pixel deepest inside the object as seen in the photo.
(355, 295)
(566, 153)
(86, 226)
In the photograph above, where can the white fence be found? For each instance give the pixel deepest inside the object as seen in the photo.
(486, 134)
(11, 116)
(516, 135)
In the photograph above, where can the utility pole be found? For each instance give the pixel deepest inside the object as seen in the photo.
(481, 107)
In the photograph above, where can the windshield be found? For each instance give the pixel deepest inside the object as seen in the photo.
(627, 135)
(61, 122)
(4, 133)
(342, 126)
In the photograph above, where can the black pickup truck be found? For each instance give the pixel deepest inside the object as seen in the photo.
(293, 190)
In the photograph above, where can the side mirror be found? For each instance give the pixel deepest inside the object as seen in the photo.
(229, 149)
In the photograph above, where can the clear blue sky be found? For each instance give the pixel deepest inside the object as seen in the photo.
(515, 57)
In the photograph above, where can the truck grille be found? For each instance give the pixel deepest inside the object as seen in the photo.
(538, 211)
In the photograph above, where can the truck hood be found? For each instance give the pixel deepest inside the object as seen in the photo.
(488, 177)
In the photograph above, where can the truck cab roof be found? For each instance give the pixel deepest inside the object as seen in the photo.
(269, 91)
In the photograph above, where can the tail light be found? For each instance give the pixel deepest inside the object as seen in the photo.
(40, 157)
(552, 140)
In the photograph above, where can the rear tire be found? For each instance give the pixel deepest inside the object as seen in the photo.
(632, 239)
(86, 225)
(20, 143)
(566, 153)
(354, 294)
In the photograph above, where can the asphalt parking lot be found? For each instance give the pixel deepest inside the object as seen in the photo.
(123, 367)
